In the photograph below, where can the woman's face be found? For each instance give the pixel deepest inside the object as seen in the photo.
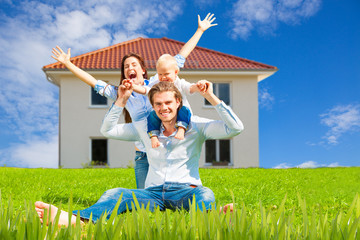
(133, 70)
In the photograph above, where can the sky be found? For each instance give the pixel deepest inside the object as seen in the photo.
(309, 110)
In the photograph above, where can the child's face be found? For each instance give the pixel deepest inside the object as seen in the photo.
(167, 72)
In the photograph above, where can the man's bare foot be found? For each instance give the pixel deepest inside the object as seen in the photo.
(180, 133)
(155, 142)
(225, 208)
(64, 216)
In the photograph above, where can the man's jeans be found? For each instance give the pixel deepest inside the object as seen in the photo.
(141, 169)
(167, 196)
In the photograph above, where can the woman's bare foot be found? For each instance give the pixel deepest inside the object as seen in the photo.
(64, 216)
(180, 133)
(155, 142)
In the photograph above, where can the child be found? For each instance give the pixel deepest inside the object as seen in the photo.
(167, 70)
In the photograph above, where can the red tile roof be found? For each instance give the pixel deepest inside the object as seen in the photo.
(152, 48)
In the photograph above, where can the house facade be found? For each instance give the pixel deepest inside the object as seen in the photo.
(81, 110)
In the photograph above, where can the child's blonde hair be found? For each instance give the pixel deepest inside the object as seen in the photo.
(167, 58)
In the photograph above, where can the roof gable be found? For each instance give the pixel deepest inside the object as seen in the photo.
(152, 48)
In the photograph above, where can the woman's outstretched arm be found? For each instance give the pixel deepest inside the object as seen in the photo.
(64, 58)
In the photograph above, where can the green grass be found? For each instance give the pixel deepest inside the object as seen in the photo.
(295, 202)
(332, 187)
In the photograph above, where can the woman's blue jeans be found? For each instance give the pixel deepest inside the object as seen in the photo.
(168, 196)
(141, 169)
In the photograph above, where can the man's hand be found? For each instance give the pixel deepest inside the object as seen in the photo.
(60, 55)
(208, 92)
(205, 87)
(207, 22)
(202, 85)
(124, 92)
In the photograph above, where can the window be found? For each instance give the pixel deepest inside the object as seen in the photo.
(217, 152)
(222, 91)
(97, 99)
(99, 152)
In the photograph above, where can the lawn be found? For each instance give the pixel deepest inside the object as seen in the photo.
(326, 191)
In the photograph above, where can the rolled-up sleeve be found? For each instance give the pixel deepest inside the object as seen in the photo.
(180, 60)
(106, 90)
(111, 129)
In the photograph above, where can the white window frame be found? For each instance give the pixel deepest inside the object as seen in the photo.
(217, 152)
(216, 92)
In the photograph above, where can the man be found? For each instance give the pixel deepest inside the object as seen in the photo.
(173, 178)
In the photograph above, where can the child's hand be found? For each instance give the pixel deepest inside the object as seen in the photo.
(155, 142)
(202, 85)
(60, 55)
(206, 87)
(207, 22)
(208, 92)
(128, 84)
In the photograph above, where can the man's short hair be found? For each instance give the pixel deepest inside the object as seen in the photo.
(164, 87)
(168, 59)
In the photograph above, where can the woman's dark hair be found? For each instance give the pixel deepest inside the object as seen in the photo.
(142, 64)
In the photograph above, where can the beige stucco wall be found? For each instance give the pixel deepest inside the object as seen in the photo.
(79, 122)
(244, 102)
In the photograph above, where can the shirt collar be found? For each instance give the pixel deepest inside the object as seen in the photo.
(162, 129)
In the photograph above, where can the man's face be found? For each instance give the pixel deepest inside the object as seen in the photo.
(167, 72)
(133, 70)
(165, 106)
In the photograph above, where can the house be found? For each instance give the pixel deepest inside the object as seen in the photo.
(81, 110)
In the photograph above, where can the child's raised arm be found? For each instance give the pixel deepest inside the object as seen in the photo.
(64, 58)
(202, 27)
(136, 88)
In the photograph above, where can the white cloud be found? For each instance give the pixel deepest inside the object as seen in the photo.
(341, 119)
(335, 164)
(308, 164)
(28, 33)
(265, 15)
(282, 166)
(266, 100)
(32, 154)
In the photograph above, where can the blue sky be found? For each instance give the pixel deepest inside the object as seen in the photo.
(309, 110)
